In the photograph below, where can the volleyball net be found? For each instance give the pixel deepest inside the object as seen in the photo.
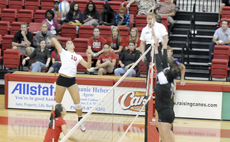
(119, 115)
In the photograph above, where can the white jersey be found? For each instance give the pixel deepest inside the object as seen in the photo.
(146, 33)
(69, 62)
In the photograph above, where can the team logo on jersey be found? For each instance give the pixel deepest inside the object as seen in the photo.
(132, 100)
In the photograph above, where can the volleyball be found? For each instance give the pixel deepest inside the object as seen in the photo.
(64, 7)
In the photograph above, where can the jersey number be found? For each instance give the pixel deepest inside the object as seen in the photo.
(74, 58)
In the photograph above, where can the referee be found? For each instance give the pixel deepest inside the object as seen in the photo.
(147, 38)
(146, 41)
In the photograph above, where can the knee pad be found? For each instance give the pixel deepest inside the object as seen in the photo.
(77, 106)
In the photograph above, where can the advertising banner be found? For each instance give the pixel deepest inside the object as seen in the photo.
(198, 104)
(40, 96)
(128, 100)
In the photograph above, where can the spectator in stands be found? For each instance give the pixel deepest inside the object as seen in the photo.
(127, 59)
(90, 15)
(57, 13)
(41, 58)
(95, 43)
(106, 61)
(23, 40)
(115, 41)
(123, 18)
(56, 61)
(107, 16)
(167, 8)
(134, 36)
(43, 35)
(74, 16)
(220, 37)
(144, 6)
(224, 3)
(52, 22)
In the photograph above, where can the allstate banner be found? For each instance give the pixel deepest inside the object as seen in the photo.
(128, 100)
(40, 96)
(198, 104)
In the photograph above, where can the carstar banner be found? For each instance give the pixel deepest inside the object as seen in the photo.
(40, 96)
(128, 100)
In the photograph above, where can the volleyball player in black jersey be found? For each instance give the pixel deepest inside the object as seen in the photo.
(164, 95)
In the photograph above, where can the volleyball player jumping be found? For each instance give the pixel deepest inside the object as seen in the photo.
(164, 94)
(67, 75)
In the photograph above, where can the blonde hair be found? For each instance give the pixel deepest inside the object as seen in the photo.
(170, 48)
(45, 23)
(151, 14)
(118, 40)
(136, 36)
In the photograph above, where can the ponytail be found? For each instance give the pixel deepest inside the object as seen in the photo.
(56, 113)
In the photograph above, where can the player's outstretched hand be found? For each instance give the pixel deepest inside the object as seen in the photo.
(88, 53)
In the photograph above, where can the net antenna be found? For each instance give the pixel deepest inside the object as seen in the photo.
(100, 101)
(53, 107)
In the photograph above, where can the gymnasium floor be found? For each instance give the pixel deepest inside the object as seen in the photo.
(31, 126)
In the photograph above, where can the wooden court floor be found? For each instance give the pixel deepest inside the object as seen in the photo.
(31, 126)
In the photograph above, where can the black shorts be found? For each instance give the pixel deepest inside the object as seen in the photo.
(65, 81)
(166, 115)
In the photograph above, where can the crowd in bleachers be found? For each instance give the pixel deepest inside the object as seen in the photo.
(89, 24)
(26, 25)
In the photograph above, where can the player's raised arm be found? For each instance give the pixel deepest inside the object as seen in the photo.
(89, 58)
(56, 44)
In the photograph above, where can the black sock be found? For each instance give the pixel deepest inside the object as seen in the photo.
(157, 129)
(172, 128)
(79, 118)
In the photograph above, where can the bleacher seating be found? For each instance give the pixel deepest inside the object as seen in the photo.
(35, 27)
(39, 15)
(9, 15)
(47, 4)
(16, 4)
(7, 42)
(32, 4)
(4, 27)
(11, 58)
(15, 27)
(115, 5)
(219, 68)
(99, 5)
(141, 21)
(225, 12)
(25, 15)
(82, 4)
(105, 31)
(3, 4)
(81, 44)
(86, 31)
(68, 31)
(124, 31)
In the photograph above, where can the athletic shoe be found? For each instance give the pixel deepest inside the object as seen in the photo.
(82, 127)
(91, 69)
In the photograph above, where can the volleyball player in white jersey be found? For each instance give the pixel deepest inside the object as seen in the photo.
(67, 75)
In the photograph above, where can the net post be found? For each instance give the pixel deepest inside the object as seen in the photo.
(151, 134)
